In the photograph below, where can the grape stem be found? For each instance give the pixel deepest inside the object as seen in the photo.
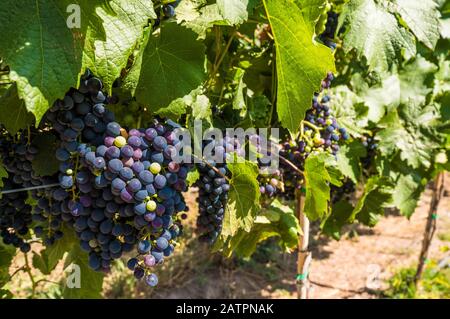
(315, 128)
(288, 162)
(28, 271)
(219, 61)
(212, 167)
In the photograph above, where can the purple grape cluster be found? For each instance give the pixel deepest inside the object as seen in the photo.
(344, 192)
(214, 186)
(328, 35)
(80, 117)
(17, 154)
(130, 194)
(15, 217)
(319, 133)
(371, 146)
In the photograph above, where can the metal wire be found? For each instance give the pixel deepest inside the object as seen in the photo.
(9, 191)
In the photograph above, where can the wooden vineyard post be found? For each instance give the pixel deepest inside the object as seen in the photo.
(430, 227)
(304, 255)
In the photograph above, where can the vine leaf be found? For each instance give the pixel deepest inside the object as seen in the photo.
(91, 281)
(313, 11)
(409, 130)
(192, 177)
(375, 34)
(376, 197)
(51, 255)
(348, 159)
(45, 162)
(198, 17)
(342, 212)
(233, 11)
(7, 253)
(13, 113)
(67, 247)
(3, 174)
(123, 24)
(41, 262)
(239, 99)
(243, 201)
(302, 64)
(349, 109)
(317, 187)
(422, 17)
(278, 220)
(408, 184)
(46, 57)
(172, 65)
(407, 193)
(5, 294)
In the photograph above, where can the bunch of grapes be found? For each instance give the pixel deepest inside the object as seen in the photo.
(129, 194)
(344, 192)
(17, 153)
(48, 213)
(165, 10)
(15, 217)
(371, 146)
(81, 116)
(319, 133)
(328, 35)
(214, 186)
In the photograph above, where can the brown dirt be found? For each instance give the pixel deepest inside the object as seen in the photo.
(354, 267)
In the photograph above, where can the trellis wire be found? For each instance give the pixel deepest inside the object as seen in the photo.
(9, 191)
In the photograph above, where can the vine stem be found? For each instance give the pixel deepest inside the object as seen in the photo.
(212, 167)
(219, 61)
(28, 271)
(304, 255)
(430, 227)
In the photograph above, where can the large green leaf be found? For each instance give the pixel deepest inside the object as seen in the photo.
(45, 162)
(48, 258)
(375, 34)
(233, 11)
(122, 22)
(340, 214)
(172, 65)
(376, 197)
(410, 131)
(6, 256)
(422, 17)
(3, 174)
(91, 281)
(301, 63)
(348, 159)
(317, 187)
(415, 80)
(46, 57)
(277, 220)
(13, 113)
(349, 110)
(243, 202)
(407, 193)
(68, 247)
(198, 17)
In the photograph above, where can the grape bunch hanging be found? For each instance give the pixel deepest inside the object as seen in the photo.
(119, 189)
